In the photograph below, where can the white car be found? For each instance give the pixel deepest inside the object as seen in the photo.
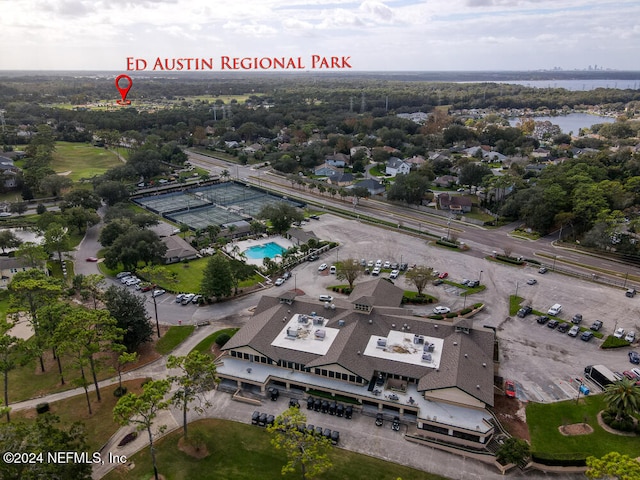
(440, 310)
(179, 297)
(387, 264)
(574, 331)
(279, 281)
(394, 274)
(619, 333)
(326, 298)
(157, 293)
(187, 297)
(376, 271)
(322, 267)
(379, 263)
(630, 336)
(132, 281)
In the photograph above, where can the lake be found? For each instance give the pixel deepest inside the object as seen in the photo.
(571, 122)
(578, 85)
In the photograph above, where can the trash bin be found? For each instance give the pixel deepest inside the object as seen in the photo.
(584, 390)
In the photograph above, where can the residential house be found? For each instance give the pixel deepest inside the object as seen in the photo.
(396, 166)
(9, 266)
(446, 181)
(337, 160)
(454, 203)
(8, 172)
(355, 150)
(416, 161)
(178, 249)
(326, 170)
(341, 179)
(436, 375)
(253, 149)
(373, 186)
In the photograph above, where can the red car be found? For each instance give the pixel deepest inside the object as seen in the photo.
(510, 389)
(146, 288)
(92, 259)
(443, 275)
(630, 375)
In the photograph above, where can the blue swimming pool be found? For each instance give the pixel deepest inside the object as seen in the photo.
(270, 250)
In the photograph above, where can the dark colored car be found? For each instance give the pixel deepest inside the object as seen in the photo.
(327, 433)
(542, 320)
(577, 318)
(634, 358)
(335, 437)
(293, 402)
(262, 420)
(274, 393)
(312, 258)
(586, 336)
(255, 417)
(524, 311)
(317, 405)
(597, 325)
(438, 281)
(396, 423)
(324, 407)
(310, 402)
(553, 323)
(270, 419)
(348, 411)
(403, 267)
(542, 270)
(379, 419)
(310, 429)
(318, 431)
(340, 410)
(563, 327)
(314, 217)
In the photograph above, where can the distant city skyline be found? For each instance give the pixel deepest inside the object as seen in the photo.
(368, 35)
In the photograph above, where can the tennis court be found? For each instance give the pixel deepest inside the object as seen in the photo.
(212, 205)
(171, 202)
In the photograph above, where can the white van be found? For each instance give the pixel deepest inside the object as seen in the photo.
(332, 269)
(555, 309)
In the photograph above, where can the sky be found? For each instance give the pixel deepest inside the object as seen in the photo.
(368, 35)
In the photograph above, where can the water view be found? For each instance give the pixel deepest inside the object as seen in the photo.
(572, 122)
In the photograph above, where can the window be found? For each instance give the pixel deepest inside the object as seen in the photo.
(332, 374)
(433, 428)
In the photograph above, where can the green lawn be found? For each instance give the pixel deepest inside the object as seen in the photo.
(82, 160)
(544, 420)
(205, 345)
(173, 337)
(189, 275)
(238, 451)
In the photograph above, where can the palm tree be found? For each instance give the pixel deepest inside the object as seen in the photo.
(622, 398)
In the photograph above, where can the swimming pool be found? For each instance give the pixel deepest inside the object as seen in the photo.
(270, 250)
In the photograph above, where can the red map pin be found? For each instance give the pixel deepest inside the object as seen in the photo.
(123, 90)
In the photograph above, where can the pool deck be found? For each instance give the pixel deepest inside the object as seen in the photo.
(243, 245)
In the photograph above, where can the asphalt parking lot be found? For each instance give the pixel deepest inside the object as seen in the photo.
(544, 363)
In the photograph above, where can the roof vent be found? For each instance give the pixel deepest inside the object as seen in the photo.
(435, 326)
(455, 343)
(370, 321)
(393, 325)
(466, 356)
(484, 364)
(478, 387)
(358, 352)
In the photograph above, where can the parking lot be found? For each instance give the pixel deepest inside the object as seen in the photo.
(544, 363)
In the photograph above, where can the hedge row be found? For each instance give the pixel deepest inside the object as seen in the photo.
(560, 459)
(417, 300)
(514, 261)
(444, 243)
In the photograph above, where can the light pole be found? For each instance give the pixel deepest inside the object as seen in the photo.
(155, 308)
(516, 289)
(480, 279)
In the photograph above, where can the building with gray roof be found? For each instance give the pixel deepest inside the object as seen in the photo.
(436, 374)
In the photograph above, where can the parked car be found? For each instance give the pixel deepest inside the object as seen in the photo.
(179, 297)
(293, 402)
(123, 274)
(510, 389)
(586, 335)
(395, 426)
(333, 270)
(542, 320)
(286, 275)
(379, 419)
(196, 298)
(270, 419)
(379, 263)
(630, 375)
(348, 412)
(326, 298)
(387, 264)
(443, 275)
(340, 410)
(146, 288)
(634, 358)
(187, 298)
(553, 324)
(314, 217)
(596, 326)
(376, 271)
(262, 420)
(619, 333)
(310, 401)
(563, 327)
(473, 283)
(157, 293)
(438, 281)
(577, 318)
(394, 274)
(403, 267)
(441, 310)
(524, 311)
(255, 417)
(274, 393)
(532, 281)
(630, 336)
(278, 282)
(322, 267)
(573, 331)
(542, 270)
(335, 437)
(631, 292)
(464, 281)
(312, 258)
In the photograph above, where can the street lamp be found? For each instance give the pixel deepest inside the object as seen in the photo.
(480, 279)
(155, 308)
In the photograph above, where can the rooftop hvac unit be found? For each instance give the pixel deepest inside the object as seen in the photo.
(382, 342)
(426, 357)
(320, 334)
(318, 320)
(429, 347)
(341, 323)
(302, 319)
(418, 339)
(292, 332)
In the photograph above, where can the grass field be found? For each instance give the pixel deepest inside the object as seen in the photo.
(545, 419)
(238, 452)
(205, 345)
(100, 425)
(82, 160)
(173, 337)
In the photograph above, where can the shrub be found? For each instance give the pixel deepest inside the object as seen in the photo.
(119, 392)
(128, 438)
(222, 339)
(445, 243)
(514, 261)
(42, 408)
(40, 209)
(452, 315)
(465, 311)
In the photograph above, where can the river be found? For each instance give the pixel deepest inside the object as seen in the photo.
(571, 122)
